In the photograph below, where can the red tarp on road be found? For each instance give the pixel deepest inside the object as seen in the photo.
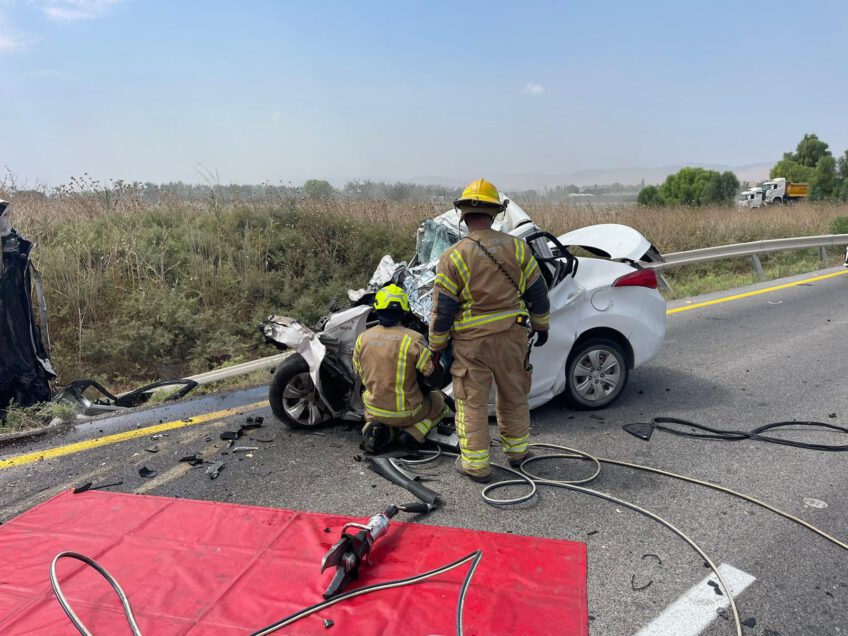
(205, 568)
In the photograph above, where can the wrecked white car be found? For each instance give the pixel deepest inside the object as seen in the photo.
(607, 317)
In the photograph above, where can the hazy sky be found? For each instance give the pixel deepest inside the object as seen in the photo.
(283, 91)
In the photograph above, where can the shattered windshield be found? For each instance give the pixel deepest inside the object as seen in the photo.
(433, 239)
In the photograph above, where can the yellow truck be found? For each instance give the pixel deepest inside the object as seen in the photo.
(780, 190)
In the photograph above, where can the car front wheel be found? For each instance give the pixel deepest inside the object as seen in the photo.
(293, 397)
(596, 373)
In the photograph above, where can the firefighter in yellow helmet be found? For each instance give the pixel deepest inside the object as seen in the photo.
(488, 295)
(389, 359)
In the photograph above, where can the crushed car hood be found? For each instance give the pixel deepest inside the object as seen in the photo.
(613, 241)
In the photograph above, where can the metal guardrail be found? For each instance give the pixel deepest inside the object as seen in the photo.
(225, 373)
(752, 249)
(674, 259)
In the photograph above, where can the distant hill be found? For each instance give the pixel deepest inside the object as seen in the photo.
(602, 176)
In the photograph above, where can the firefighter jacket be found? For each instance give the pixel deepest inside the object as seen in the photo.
(388, 360)
(485, 283)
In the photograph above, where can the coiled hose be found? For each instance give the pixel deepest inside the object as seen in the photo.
(523, 477)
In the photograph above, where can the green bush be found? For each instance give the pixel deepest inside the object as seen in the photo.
(839, 225)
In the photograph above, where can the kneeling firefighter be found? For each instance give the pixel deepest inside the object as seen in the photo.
(389, 359)
(488, 295)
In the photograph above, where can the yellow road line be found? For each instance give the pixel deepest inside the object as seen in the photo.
(757, 292)
(78, 447)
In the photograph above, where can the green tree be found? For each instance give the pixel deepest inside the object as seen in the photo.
(650, 196)
(697, 186)
(318, 189)
(800, 165)
(792, 171)
(824, 184)
(842, 167)
(730, 187)
(810, 151)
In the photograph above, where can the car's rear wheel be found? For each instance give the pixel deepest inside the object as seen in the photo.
(293, 397)
(596, 373)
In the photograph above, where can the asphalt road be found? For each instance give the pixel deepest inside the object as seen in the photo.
(781, 355)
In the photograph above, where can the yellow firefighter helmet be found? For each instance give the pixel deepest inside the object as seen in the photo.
(480, 196)
(391, 297)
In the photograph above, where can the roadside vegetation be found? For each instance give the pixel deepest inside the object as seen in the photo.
(141, 287)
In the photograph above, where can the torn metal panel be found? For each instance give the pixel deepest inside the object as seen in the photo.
(386, 271)
(298, 337)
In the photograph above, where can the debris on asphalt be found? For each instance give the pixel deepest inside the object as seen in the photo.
(192, 460)
(749, 622)
(153, 449)
(328, 623)
(815, 503)
(88, 486)
(214, 469)
(832, 416)
(716, 587)
(253, 422)
(158, 435)
(640, 588)
(642, 430)
(245, 449)
(357, 458)
(723, 613)
(231, 435)
(645, 556)
(144, 471)
(591, 532)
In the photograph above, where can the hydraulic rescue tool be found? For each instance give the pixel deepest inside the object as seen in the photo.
(351, 550)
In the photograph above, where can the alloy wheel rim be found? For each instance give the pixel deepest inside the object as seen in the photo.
(301, 401)
(597, 375)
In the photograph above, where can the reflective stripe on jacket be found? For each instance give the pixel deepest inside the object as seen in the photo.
(472, 295)
(387, 360)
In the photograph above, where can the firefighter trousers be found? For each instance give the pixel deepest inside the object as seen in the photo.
(432, 410)
(502, 357)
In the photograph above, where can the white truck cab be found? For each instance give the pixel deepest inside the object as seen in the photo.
(774, 191)
(750, 198)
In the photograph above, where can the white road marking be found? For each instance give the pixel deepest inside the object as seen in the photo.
(696, 609)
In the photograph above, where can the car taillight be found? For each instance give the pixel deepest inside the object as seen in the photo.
(639, 278)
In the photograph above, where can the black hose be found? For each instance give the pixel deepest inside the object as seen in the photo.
(753, 434)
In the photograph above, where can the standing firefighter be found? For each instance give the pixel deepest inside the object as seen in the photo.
(389, 359)
(484, 286)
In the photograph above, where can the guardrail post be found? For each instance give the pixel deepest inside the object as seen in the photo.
(823, 255)
(758, 267)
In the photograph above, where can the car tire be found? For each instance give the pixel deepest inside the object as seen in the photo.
(293, 397)
(596, 373)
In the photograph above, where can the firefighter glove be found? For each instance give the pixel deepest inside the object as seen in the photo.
(539, 337)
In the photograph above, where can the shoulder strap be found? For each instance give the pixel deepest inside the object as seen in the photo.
(498, 263)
